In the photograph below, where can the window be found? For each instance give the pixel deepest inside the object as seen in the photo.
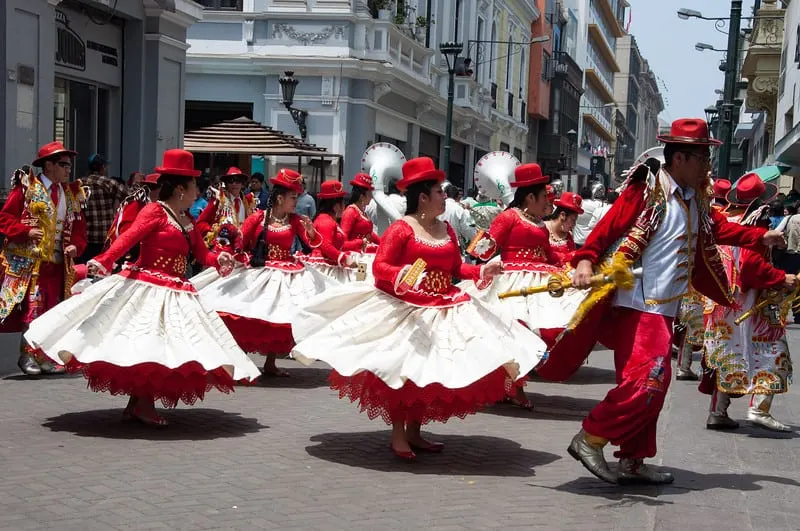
(477, 62)
(546, 66)
(505, 147)
(522, 83)
(518, 154)
(493, 54)
(221, 5)
(508, 58)
(457, 28)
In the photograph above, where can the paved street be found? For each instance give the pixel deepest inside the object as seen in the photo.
(290, 455)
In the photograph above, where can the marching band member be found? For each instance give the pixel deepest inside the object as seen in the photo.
(414, 350)
(750, 357)
(561, 224)
(658, 218)
(45, 226)
(228, 206)
(143, 332)
(258, 302)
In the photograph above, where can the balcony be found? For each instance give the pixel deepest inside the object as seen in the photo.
(391, 44)
(602, 43)
(565, 67)
(762, 64)
(600, 78)
(610, 10)
(600, 123)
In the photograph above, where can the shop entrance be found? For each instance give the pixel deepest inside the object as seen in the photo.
(81, 120)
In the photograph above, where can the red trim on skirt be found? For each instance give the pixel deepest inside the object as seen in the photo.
(187, 383)
(411, 403)
(262, 337)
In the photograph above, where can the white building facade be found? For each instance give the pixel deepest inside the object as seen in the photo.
(365, 74)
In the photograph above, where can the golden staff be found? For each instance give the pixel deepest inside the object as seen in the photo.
(771, 297)
(617, 272)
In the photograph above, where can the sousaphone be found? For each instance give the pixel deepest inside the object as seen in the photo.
(493, 174)
(384, 163)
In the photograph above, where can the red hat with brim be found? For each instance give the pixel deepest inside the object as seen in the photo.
(419, 170)
(331, 189)
(749, 188)
(721, 188)
(529, 175)
(570, 201)
(362, 180)
(289, 179)
(234, 174)
(152, 178)
(691, 131)
(178, 162)
(48, 151)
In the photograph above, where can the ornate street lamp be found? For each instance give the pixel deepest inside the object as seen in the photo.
(450, 50)
(288, 85)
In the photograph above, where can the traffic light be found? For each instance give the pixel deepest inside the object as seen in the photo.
(463, 67)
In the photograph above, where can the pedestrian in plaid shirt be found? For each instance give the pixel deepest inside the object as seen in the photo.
(105, 195)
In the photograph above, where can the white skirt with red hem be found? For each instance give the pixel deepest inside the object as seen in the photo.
(130, 336)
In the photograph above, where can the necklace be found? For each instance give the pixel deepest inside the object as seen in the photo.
(279, 220)
(529, 217)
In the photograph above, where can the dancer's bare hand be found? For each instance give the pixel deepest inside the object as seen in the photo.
(774, 238)
(309, 226)
(492, 269)
(35, 235)
(71, 251)
(582, 279)
(791, 281)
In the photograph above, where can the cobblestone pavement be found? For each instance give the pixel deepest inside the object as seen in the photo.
(290, 455)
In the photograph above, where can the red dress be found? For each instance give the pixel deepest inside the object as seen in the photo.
(358, 228)
(426, 354)
(258, 303)
(528, 260)
(143, 331)
(563, 249)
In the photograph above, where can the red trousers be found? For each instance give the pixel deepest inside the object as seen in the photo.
(628, 415)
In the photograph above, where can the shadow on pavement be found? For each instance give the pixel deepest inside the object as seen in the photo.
(463, 455)
(586, 375)
(184, 424)
(24, 377)
(686, 481)
(299, 378)
(547, 407)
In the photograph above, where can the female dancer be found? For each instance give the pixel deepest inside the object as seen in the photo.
(359, 232)
(416, 350)
(143, 332)
(334, 258)
(560, 224)
(144, 193)
(258, 302)
(523, 242)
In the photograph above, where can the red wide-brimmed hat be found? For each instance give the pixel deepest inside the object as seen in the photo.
(331, 189)
(178, 162)
(419, 170)
(362, 180)
(720, 188)
(689, 131)
(152, 178)
(750, 187)
(52, 149)
(570, 201)
(289, 179)
(551, 193)
(529, 175)
(234, 174)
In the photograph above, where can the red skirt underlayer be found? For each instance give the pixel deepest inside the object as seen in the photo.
(261, 337)
(187, 383)
(411, 403)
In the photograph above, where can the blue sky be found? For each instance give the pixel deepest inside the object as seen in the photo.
(687, 78)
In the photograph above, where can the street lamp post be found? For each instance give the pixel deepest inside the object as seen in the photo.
(727, 112)
(572, 136)
(450, 50)
(288, 85)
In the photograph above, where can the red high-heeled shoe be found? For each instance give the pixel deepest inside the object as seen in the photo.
(405, 456)
(151, 419)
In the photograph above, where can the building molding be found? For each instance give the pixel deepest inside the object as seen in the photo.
(166, 39)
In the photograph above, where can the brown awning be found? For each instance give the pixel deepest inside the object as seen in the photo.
(244, 135)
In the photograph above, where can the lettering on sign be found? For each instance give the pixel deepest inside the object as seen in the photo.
(70, 49)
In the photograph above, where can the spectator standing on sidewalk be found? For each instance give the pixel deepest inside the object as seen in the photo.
(105, 195)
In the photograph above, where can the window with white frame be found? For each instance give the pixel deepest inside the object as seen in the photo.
(509, 65)
(493, 54)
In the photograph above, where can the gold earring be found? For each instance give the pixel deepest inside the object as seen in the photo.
(422, 216)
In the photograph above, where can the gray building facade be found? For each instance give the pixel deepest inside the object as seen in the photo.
(100, 76)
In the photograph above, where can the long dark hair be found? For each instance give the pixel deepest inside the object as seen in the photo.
(357, 194)
(328, 206)
(259, 255)
(169, 183)
(414, 191)
(523, 191)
